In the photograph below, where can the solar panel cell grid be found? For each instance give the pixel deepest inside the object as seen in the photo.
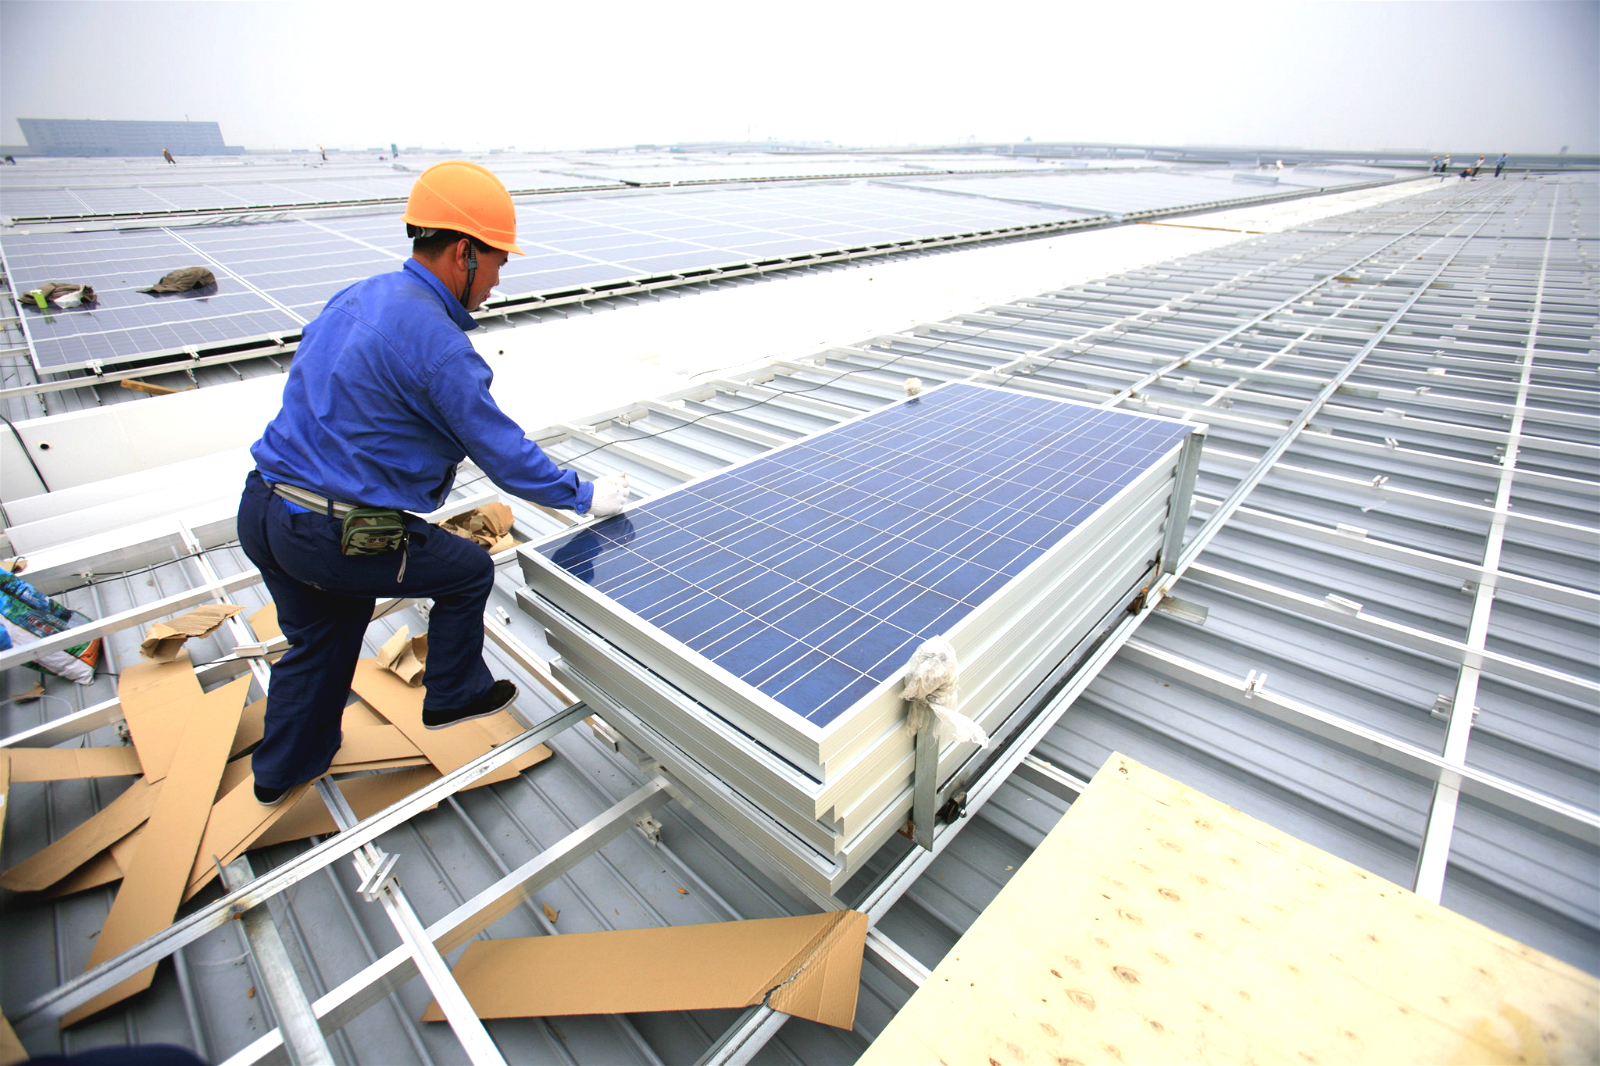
(300, 263)
(812, 573)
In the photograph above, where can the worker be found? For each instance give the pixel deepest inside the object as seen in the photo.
(1499, 164)
(385, 397)
(168, 156)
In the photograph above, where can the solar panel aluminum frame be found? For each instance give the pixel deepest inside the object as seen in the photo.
(810, 747)
(1009, 640)
(1040, 625)
(820, 820)
(756, 827)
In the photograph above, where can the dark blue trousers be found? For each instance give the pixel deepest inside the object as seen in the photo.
(325, 601)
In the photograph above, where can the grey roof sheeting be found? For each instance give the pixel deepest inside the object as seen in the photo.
(1359, 375)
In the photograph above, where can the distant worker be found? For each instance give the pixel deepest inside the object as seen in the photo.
(168, 156)
(1499, 164)
(324, 152)
(386, 396)
(10, 161)
(1434, 169)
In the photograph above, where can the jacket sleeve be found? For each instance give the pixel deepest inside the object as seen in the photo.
(459, 390)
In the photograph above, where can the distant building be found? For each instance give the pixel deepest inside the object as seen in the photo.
(84, 136)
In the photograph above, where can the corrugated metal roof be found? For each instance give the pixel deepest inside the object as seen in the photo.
(1362, 377)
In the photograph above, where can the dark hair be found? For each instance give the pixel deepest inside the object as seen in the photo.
(427, 243)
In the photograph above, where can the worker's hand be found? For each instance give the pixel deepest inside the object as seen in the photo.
(610, 495)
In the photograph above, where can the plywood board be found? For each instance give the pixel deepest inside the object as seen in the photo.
(810, 964)
(153, 885)
(1157, 925)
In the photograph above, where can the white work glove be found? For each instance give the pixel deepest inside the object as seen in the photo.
(610, 495)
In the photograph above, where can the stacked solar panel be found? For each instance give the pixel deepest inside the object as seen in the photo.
(755, 622)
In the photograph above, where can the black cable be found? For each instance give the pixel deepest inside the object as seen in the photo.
(27, 454)
(121, 574)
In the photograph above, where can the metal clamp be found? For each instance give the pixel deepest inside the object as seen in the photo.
(376, 876)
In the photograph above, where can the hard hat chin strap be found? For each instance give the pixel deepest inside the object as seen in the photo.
(472, 272)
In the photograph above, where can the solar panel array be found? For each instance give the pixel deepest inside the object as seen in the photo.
(812, 572)
(77, 188)
(291, 190)
(275, 276)
(1121, 193)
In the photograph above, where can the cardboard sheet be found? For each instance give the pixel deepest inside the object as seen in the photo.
(154, 696)
(66, 764)
(811, 965)
(153, 885)
(251, 724)
(448, 749)
(112, 863)
(366, 796)
(264, 623)
(164, 640)
(103, 869)
(234, 822)
(405, 656)
(113, 822)
(1155, 924)
(489, 527)
(11, 1049)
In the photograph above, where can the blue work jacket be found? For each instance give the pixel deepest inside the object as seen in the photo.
(386, 395)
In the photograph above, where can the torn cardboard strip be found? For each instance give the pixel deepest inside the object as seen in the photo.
(163, 640)
(448, 749)
(810, 966)
(113, 822)
(264, 623)
(489, 527)
(154, 698)
(405, 656)
(11, 1049)
(67, 764)
(152, 887)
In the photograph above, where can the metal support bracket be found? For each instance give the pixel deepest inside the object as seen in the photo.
(925, 787)
(302, 1036)
(377, 877)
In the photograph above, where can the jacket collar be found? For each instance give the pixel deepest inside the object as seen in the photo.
(452, 306)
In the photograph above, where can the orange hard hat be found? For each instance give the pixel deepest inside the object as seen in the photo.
(465, 197)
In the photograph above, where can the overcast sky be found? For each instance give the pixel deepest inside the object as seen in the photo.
(1465, 77)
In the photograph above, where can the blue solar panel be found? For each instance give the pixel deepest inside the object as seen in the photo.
(812, 572)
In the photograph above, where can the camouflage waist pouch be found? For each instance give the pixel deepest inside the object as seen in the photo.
(372, 531)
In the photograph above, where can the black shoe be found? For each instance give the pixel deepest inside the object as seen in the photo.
(270, 797)
(497, 699)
